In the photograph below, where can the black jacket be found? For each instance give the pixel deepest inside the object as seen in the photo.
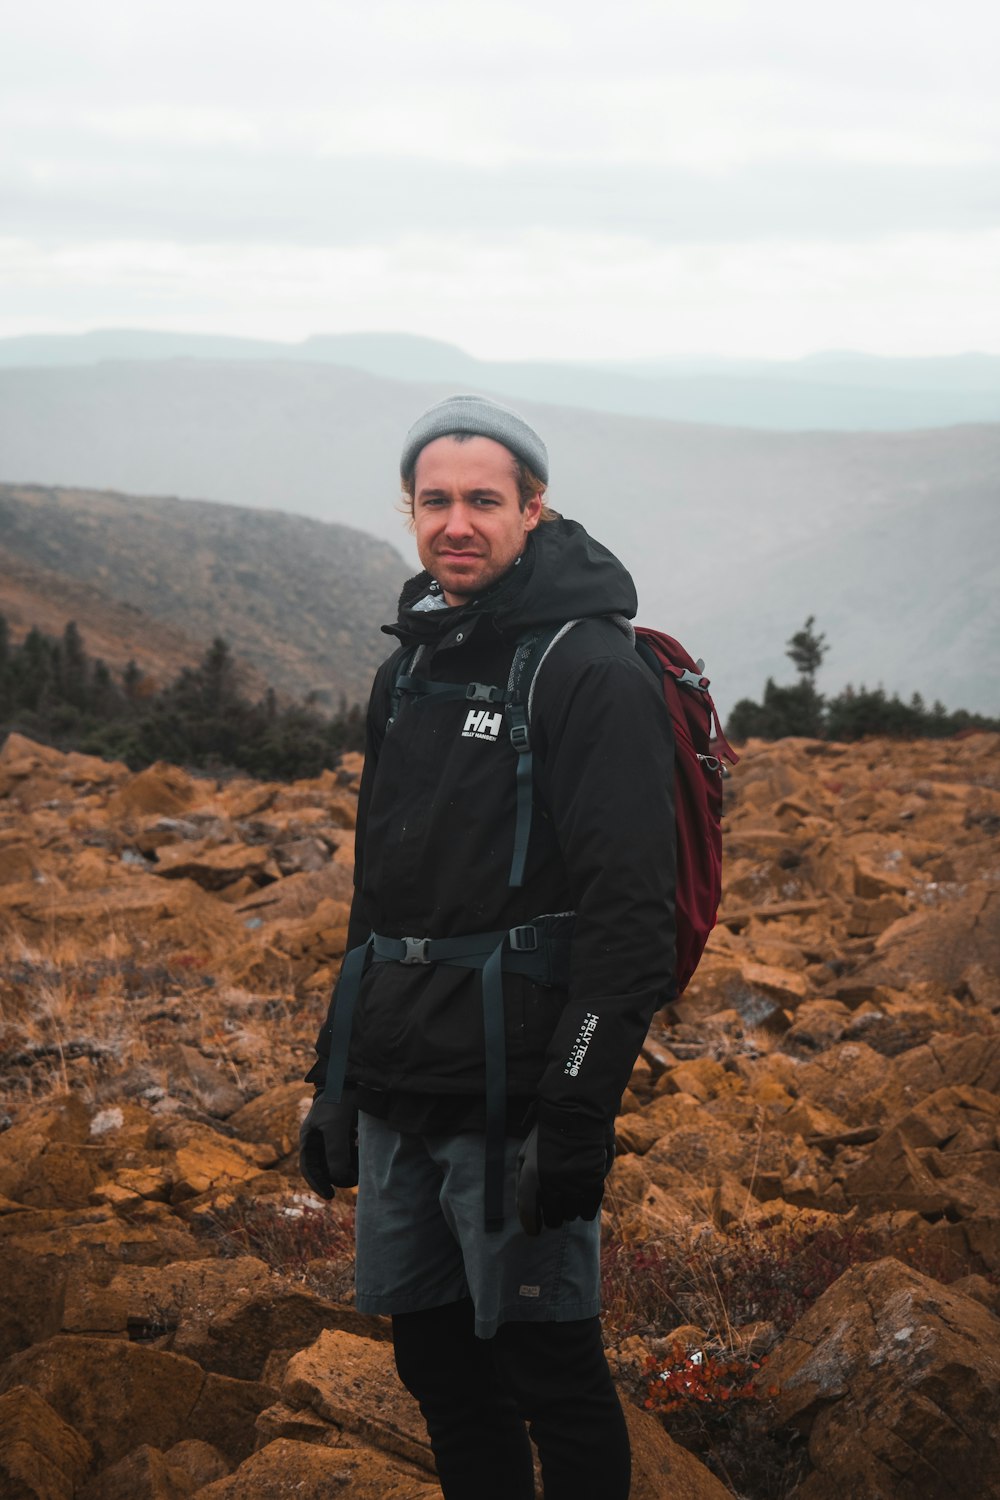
(435, 835)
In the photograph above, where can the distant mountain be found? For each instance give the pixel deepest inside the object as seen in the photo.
(301, 601)
(734, 536)
(824, 392)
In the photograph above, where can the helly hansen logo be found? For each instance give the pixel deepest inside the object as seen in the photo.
(481, 725)
(579, 1049)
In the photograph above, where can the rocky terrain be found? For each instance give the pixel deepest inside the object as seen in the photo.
(803, 1225)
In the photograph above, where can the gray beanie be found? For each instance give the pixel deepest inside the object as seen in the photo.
(481, 417)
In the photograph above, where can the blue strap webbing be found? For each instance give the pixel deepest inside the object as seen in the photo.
(343, 1016)
(496, 1086)
(520, 738)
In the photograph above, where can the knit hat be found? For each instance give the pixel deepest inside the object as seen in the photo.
(482, 418)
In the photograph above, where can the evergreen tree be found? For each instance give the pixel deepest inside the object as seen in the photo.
(806, 650)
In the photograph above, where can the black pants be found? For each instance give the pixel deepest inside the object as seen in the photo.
(477, 1394)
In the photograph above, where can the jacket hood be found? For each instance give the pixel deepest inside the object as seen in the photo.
(563, 574)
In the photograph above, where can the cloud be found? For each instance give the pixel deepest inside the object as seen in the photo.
(197, 152)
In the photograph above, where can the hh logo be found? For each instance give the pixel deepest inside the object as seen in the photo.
(480, 725)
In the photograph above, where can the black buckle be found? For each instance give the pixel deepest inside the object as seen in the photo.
(416, 950)
(523, 939)
(482, 692)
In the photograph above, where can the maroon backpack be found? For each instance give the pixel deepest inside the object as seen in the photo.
(697, 792)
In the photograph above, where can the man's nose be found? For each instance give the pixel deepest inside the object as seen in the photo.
(459, 520)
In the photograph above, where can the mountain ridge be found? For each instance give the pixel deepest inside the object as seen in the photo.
(831, 391)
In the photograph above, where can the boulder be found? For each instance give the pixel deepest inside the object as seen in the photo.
(661, 1467)
(940, 945)
(45, 1253)
(274, 1117)
(817, 1025)
(298, 895)
(944, 1060)
(214, 866)
(851, 1080)
(352, 1382)
(151, 1395)
(201, 1158)
(256, 1330)
(200, 1461)
(290, 1470)
(201, 1079)
(161, 788)
(940, 1158)
(144, 1302)
(41, 1456)
(897, 1381)
(143, 1474)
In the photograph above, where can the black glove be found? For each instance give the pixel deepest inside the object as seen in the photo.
(328, 1144)
(568, 1155)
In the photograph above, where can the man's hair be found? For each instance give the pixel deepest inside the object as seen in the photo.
(528, 484)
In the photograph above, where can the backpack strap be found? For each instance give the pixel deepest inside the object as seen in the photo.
(531, 650)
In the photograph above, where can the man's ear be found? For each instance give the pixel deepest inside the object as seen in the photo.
(532, 512)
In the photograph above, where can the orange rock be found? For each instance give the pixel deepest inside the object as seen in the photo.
(897, 1380)
(274, 1117)
(849, 1079)
(214, 866)
(973, 1060)
(41, 1456)
(151, 1301)
(352, 1383)
(298, 895)
(155, 1397)
(199, 1460)
(191, 1073)
(940, 945)
(312, 1472)
(783, 984)
(940, 1158)
(161, 788)
(661, 1467)
(244, 1332)
(144, 1474)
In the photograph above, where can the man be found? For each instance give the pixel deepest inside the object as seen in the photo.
(483, 1009)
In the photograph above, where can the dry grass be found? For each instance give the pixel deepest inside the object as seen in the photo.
(94, 1017)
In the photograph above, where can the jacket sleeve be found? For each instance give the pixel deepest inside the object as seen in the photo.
(358, 926)
(608, 782)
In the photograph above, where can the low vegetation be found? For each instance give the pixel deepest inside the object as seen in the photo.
(852, 714)
(52, 691)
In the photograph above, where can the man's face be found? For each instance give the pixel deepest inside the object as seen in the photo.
(467, 518)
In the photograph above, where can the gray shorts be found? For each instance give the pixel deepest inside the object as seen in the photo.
(421, 1241)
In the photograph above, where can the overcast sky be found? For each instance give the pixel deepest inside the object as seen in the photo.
(541, 180)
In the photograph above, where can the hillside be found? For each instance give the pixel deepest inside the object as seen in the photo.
(113, 632)
(801, 1243)
(299, 600)
(734, 536)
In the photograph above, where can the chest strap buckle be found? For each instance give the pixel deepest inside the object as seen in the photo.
(416, 951)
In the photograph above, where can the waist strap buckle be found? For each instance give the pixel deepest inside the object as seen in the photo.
(523, 939)
(416, 951)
